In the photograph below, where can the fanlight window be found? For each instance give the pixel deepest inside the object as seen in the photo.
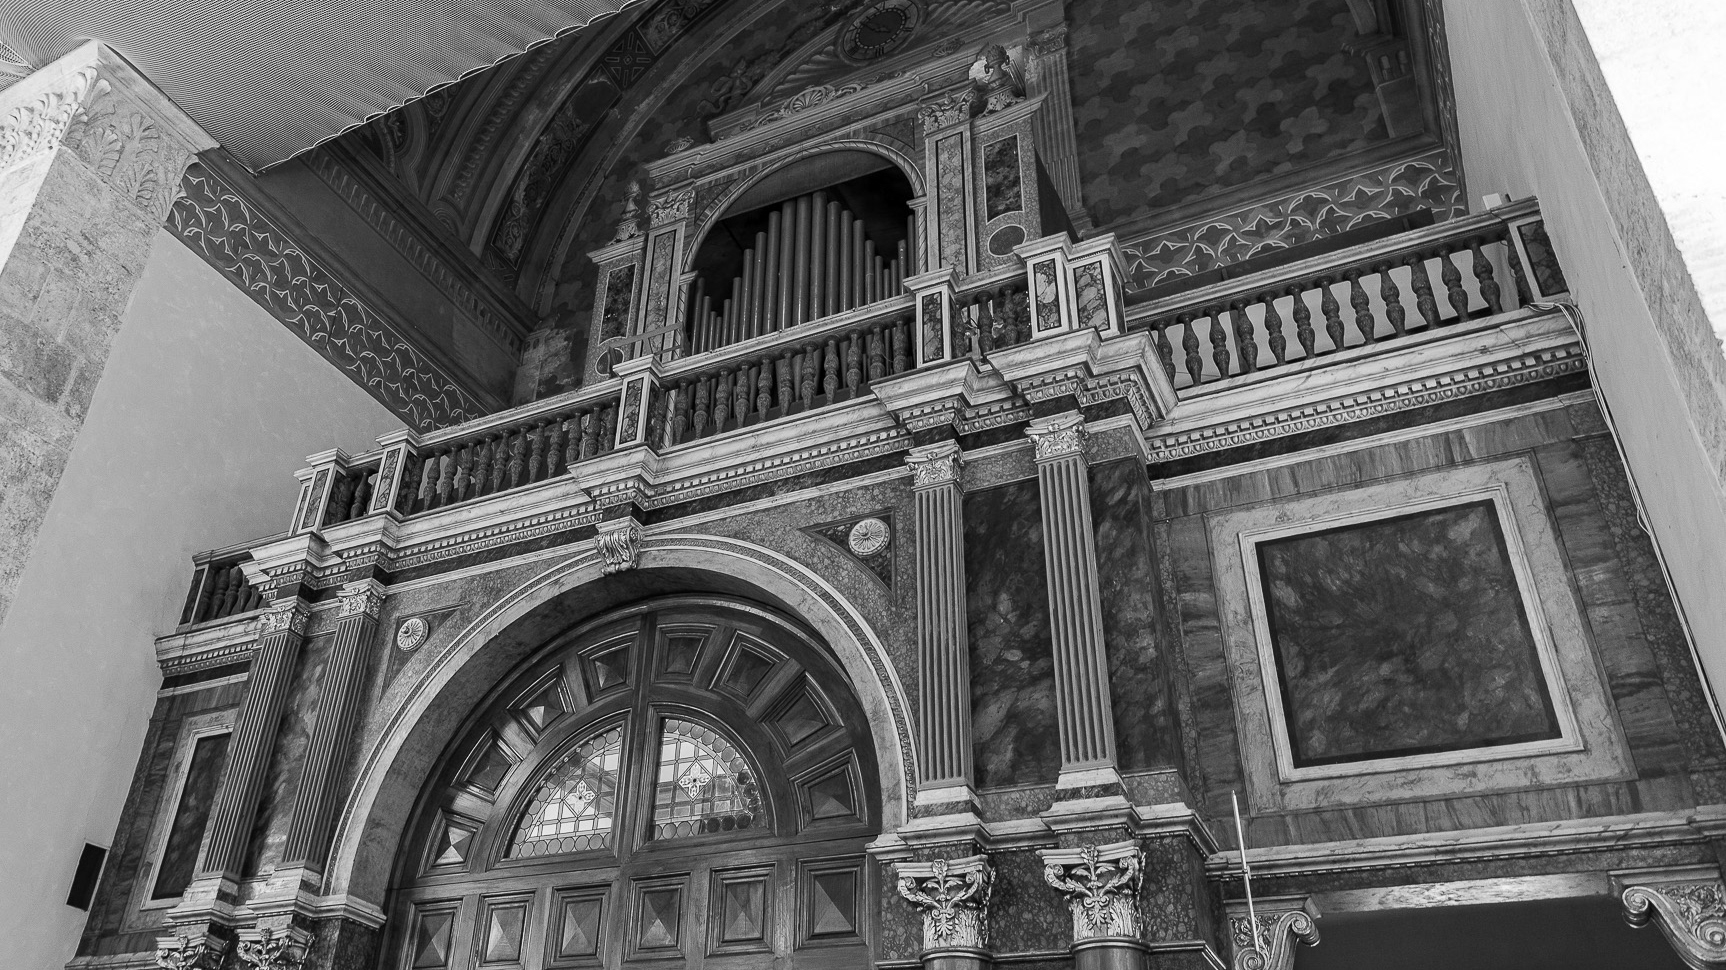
(577, 801)
(704, 783)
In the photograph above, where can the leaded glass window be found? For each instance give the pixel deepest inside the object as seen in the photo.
(704, 783)
(576, 803)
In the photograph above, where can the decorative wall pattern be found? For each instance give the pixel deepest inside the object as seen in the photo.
(244, 246)
(1175, 102)
(1425, 182)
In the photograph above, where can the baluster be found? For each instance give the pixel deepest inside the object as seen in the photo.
(702, 401)
(1332, 313)
(787, 392)
(830, 364)
(428, 479)
(1484, 277)
(1165, 352)
(985, 323)
(1452, 278)
(877, 353)
(445, 477)
(608, 429)
(517, 457)
(1420, 280)
(1364, 322)
(553, 431)
(499, 461)
(536, 456)
(853, 361)
(742, 391)
(1219, 341)
(1392, 297)
(764, 387)
(806, 380)
(463, 472)
(481, 465)
(657, 402)
(1518, 273)
(362, 495)
(1190, 348)
(589, 434)
(1274, 328)
(337, 504)
(721, 400)
(572, 441)
(253, 599)
(901, 345)
(207, 594)
(680, 420)
(1303, 322)
(1246, 348)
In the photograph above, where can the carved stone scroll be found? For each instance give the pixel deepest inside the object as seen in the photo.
(620, 543)
(1689, 907)
(1101, 883)
(953, 896)
(1283, 923)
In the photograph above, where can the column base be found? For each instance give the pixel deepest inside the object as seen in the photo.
(1110, 953)
(957, 958)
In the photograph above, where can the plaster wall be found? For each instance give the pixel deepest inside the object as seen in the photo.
(1536, 119)
(206, 408)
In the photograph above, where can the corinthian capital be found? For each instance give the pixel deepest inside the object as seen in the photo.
(954, 898)
(1101, 883)
(1058, 437)
(1689, 907)
(363, 598)
(931, 465)
(287, 616)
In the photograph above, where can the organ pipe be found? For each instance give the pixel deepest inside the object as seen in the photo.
(814, 260)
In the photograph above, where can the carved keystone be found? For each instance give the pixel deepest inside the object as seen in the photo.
(1689, 906)
(1101, 883)
(953, 895)
(1283, 922)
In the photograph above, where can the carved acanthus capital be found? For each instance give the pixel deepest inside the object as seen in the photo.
(932, 465)
(670, 208)
(1689, 906)
(951, 110)
(272, 952)
(364, 598)
(1283, 922)
(1101, 883)
(620, 543)
(953, 895)
(1059, 437)
(285, 616)
(186, 952)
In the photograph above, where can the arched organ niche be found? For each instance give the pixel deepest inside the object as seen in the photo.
(910, 211)
(782, 255)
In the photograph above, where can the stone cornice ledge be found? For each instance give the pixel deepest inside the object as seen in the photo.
(1494, 354)
(1499, 842)
(1087, 815)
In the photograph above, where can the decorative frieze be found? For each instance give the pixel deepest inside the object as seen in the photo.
(1265, 936)
(619, 541)
(1689, 907)
(1101, 883)
(953, 896)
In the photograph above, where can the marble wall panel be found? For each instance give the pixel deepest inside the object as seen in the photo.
(1146, 734)
(1015, 739)
(271, 829)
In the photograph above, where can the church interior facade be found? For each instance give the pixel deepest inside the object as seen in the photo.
(943, 484)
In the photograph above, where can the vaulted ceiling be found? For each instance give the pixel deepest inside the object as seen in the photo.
(269, 81)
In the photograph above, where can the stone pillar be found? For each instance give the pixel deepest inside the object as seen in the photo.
(1102, 886)
(953, 896)
(1075, 607)
(944, 772)
(1266, 938)
(338, 702)
(211, 896)
(90, 162)
(1687, 903)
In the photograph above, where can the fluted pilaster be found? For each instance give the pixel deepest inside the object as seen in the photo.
(1075, 606)
(337, 706)
(943, 660)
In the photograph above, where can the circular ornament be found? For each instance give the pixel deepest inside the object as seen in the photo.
(869, 537)
(411, 633)
(879, 29)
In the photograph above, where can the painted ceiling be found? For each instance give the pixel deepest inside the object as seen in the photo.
(268, 81)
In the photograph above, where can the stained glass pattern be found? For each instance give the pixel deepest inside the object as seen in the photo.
(576, 803)
(704, 783)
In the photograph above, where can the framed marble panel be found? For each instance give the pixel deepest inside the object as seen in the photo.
(176, 833)
(1413, 638)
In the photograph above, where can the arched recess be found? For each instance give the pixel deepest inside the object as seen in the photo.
(686, 778)
(424, 715)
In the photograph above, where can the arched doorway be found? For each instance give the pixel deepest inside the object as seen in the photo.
(687, 781)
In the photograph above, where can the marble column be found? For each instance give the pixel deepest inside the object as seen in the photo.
(944, 773)
(338, 702)
(90, 162)
(281, 633)
(1075, 606)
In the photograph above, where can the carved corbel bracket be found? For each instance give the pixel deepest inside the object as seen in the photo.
(953, 895)
(1101, 883)
(619, 541)
(1283, 923)
(1689, 907)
